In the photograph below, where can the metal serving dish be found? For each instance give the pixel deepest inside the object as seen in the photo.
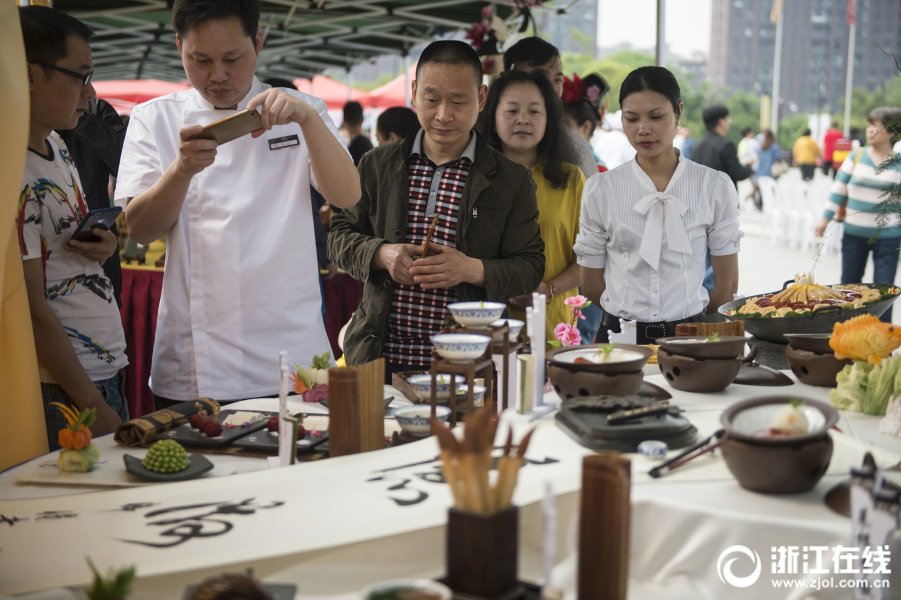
(820, 321)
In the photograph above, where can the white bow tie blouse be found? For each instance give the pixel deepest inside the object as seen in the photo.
(653, 244)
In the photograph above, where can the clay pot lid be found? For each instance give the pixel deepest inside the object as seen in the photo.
(743, 418)
(811, 342)
(565, 359)
(698, 346)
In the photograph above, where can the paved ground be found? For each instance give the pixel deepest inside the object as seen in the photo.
(764, 267)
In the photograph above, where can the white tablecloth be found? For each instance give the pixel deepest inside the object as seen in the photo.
(679, 526)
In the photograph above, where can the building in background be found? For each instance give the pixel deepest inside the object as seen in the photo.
(575, 30)
(742, 46)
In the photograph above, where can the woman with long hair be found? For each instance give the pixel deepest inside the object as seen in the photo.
(523, 119)
(648, 223)
(769, 155)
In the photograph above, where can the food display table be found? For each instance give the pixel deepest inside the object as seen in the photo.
(350, 521)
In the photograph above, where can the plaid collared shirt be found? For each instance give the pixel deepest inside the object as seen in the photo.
(417, 314)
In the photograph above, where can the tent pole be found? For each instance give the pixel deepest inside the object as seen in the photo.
(660, 58)
(777, 69)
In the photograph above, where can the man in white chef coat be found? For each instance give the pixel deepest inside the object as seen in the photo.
(241, 280)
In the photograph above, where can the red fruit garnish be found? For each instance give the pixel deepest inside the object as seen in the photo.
(196, 421)
(301, 432)
(272, 424)
(212, 429)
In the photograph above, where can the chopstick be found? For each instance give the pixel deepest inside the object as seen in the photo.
(704, 446)
(428, 236)
(466, 464)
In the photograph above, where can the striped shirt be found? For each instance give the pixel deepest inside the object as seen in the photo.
(417, 314)
(864, 189)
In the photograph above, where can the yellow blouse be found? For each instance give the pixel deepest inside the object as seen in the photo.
(558, 217)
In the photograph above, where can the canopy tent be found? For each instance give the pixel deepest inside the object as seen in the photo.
(334, 93)
(123, 95)
(393, 93)
(134, 38)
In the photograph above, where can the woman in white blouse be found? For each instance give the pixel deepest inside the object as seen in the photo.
(647, 224)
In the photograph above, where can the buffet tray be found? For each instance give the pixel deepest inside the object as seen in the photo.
(820, 320)
(192, 438)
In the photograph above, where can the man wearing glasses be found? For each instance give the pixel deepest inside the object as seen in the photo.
(78, 334)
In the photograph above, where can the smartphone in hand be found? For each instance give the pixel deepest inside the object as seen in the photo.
(101, 218)
(231, 128)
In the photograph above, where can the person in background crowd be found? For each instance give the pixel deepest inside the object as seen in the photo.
(96, 145)
(582, 110)
(486, 245)
(854, 136)
(717, 152)
(832, 135)
(78, 333)
(221, 326)
(714, 150)
(655, 277)
(585, 106)
(531, 53)
(613, 146)
(861, 189)
(353, 123)
(394, 124)
(523, 119)
(805, 152)
(684, 142)
(748, 149)
(770, 154)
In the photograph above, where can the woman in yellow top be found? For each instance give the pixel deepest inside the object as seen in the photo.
(805, 152)
(523, 118)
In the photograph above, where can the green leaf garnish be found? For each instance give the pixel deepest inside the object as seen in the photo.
(715, 337)
(606, 348)
(322, 362)
(304, 376)
(795, 403)
(481, 304)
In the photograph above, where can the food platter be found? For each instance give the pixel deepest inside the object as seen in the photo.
(819, 320)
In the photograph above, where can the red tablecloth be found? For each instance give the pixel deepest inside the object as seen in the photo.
(141, 290)
(342, 296)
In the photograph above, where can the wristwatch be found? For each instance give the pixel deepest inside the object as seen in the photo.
(553, 288)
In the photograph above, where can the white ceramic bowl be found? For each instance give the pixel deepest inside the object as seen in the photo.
(476, 314)
(426, 585)
(460, 347)
(422, 385)
(514, 324)
(478, 394)
(416, 419)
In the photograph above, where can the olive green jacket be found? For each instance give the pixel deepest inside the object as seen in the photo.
(497, 223)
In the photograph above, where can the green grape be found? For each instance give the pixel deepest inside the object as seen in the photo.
(166, 456)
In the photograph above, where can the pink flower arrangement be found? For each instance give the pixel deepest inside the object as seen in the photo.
(567, 334)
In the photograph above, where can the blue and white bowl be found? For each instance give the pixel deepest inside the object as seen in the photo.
(460, 347)
(478, 395)
(416, 419)
(476, 314)
(422, 385)
(514, 325)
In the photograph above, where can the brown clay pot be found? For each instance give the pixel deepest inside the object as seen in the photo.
(572, 383)
(698, 346)
(696, 375)
(770, 469)
(813, 368)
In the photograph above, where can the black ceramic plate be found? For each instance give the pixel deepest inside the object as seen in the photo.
(192, 438)
(265, 443)
(757, 374)
(200, 464)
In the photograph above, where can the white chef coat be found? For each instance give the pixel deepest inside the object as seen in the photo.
(241, 280)
(698, 209)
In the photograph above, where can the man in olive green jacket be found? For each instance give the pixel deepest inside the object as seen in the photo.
(496, 251)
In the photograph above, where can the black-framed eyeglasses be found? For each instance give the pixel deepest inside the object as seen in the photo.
(85, 78)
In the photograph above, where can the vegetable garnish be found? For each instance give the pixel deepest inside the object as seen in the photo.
(304, 379)
(715, 337)
(606, 348)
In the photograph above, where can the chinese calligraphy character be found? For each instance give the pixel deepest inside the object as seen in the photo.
(10, 520)
(55, 514)
(200, 525)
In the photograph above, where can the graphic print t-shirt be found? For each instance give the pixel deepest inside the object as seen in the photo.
(51, 205)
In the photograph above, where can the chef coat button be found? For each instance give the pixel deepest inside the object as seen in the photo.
(397, 233)
(387, 284)
(433, 193)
